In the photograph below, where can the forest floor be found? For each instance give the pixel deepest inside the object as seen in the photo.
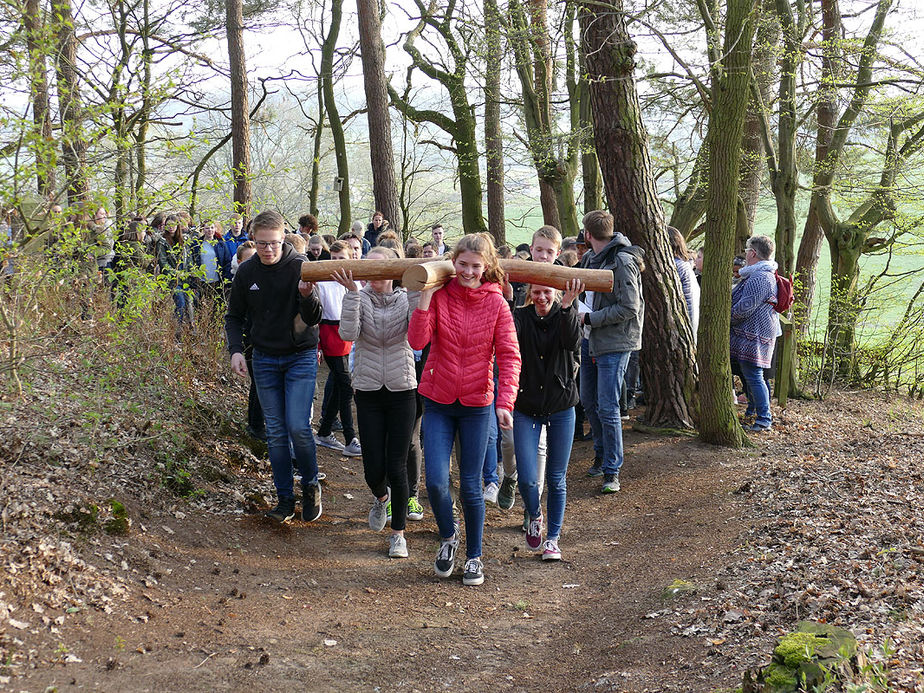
(678, 583)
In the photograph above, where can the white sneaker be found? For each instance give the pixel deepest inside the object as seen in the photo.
(490, 493)
(329, 442)
(397, 546)
(353, 449)
(378, 516)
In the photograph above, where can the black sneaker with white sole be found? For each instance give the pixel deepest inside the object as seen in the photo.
(473, 573)
(284, 510)
(446, 556)
(311, 502)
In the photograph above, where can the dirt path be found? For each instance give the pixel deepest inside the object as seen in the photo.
(235, 603)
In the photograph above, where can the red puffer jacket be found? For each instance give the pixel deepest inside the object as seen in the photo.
(466, 329)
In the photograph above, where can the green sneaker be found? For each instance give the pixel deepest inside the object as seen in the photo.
(414, 509)
(507, 494)
(388, 510)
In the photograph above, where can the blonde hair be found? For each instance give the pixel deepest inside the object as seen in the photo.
(482, 244)
(296, 241)
(548, 232)
(383, 250)
(528, 301)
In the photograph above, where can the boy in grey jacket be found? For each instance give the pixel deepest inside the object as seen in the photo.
(613, 330)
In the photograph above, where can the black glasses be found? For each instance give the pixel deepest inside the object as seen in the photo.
(268, 244)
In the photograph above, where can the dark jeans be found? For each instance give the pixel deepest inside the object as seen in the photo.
(285, 385)
(386, 421)
(340, 400)
(441, 424)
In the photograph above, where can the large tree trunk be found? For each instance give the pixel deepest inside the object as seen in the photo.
(590, 166)
(383, 161)
(333, 116)
(493, 138)
(240, 108)
(43, 142)
(73, 144)
(668, 352)
(718, 421)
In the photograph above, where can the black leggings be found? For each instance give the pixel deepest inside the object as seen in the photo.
(386, 420)
(341, 400)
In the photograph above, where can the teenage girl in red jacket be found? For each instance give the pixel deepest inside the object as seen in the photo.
(467, 324)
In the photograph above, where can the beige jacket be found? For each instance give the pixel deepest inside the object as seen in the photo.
(377, 323)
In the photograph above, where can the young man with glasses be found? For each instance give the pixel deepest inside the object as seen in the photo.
(282, 314)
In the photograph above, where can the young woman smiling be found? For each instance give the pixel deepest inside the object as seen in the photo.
(467, 324)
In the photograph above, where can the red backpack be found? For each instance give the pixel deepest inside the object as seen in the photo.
(784, 295)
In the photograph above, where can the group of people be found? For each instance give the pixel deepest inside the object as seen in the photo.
(499, 375)
(466, 367)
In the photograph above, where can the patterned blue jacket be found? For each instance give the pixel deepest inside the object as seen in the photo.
(754, 321)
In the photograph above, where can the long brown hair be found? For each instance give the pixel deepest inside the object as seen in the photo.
(482, 244)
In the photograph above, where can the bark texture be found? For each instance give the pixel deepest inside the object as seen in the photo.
(493, 138)
(380, 148)
(240, 108)
(70, 106)
(43, 144)
(730, 79)
(668, 353)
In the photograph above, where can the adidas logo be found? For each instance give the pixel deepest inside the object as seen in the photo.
(254, 287)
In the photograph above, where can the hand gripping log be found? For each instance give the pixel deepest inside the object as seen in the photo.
(419, 273)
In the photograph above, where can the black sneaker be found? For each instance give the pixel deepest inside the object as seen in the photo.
(596, 469)
(284, 510)
(446, 556)
(311, 502)
(473, 573)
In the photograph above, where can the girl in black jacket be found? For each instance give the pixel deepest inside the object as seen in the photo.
(549, 334)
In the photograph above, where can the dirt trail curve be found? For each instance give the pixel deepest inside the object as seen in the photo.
(235, 603)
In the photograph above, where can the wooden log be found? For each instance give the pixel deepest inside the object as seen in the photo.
(320, 270)
(433, 274)
(557, 276)
(428, 275)
(415, 273)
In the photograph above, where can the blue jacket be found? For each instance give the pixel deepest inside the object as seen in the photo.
(232, 242)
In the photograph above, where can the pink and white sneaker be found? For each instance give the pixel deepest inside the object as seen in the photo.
(550, 550)
(534, 533)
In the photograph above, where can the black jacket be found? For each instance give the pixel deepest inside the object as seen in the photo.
(548, 348)
(281, 321)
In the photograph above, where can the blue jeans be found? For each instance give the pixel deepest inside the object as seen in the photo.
(489, 469)
(526, 430)
(285, 386)
(758, 393)
(588, 376)
(182, 304)
(441, 423)
(611, 370)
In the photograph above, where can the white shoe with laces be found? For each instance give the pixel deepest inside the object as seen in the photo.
(490, 493)
(353, 449)
(397, 546)
(378, 517)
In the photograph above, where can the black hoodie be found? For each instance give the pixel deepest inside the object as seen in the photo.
(282, 322)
